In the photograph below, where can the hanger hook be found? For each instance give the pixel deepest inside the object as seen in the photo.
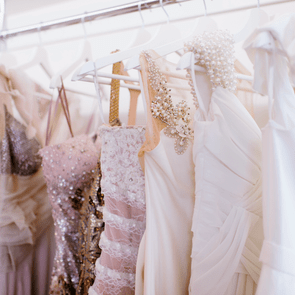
(83, 24)
(258, 3)
(168, 18)
(205, 6)
(39, 33)
(140, 13)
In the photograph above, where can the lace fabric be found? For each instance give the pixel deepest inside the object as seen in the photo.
(124, 213)
(68, 170)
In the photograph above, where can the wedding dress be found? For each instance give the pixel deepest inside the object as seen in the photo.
(271, 49)
(91, 227)
(25, 212)
(163, 265)
(227, 220)
(68, 169)
(122, 184)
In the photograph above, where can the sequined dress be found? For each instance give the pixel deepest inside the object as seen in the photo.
(68, 170)
(124, 212)
(91, 228)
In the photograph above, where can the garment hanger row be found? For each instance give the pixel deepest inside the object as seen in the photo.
(163, 43)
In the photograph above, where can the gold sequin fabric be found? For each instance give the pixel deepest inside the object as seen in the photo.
(91, 227)
(115, 93)
(68, 170)
(19, 155)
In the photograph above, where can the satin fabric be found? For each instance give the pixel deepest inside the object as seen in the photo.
(272, 50)
(33, 273)
(227, 221)
(163, 265)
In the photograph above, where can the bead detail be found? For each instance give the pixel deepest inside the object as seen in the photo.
(176, 117)
(214, 51)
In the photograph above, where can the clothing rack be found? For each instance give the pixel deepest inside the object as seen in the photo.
(113, 11)
(87, 17)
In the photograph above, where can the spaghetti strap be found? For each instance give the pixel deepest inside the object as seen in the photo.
(65, 106)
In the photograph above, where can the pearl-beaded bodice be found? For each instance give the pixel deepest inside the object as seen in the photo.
(214, 51)
(68, 169)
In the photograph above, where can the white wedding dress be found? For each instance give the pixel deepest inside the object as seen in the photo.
(227, 221)
(163, 265)
(272, 50)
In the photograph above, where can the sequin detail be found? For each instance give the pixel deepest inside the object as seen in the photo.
(176, 117)
(68, 170)
(18, 154)
(91, 227)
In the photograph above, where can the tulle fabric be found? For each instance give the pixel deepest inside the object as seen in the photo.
(124, 212)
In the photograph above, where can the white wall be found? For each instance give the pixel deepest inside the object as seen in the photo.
(64, 45)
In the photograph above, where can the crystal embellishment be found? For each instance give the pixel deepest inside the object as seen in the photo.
(176, 117)
(214, 51)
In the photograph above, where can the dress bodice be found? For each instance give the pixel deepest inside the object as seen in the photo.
(227, 220)
(163, 263)
(122, 185)
(69, 165)
(68, 168)
(19, 155)
(24, 207)
(271, 49)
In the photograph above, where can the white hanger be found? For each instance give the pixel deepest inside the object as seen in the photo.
(203, 24)
(166, 34)
(86, 55)
(258, 18)
(6, 58)
(40, 57)
(142, 35)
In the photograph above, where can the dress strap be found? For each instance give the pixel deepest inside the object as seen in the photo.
(62, 98)
(114, 97)
(118, 69)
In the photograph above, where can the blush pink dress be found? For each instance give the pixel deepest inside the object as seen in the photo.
(68, 169)
(122, 184)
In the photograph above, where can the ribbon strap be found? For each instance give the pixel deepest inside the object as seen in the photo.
(64, 104)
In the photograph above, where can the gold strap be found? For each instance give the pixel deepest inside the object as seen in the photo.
(114, 98)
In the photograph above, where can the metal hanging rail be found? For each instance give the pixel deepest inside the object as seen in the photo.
(86, 17)
(113, 11)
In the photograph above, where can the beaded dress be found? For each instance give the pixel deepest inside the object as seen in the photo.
(68, 170)
(91, 228)
(227, 220)
(122, 185)
(163, 265)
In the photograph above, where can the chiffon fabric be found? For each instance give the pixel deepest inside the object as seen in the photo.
(25, 211)
(122, 185)
(272, 51)
(227, 221)
(163, 264)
